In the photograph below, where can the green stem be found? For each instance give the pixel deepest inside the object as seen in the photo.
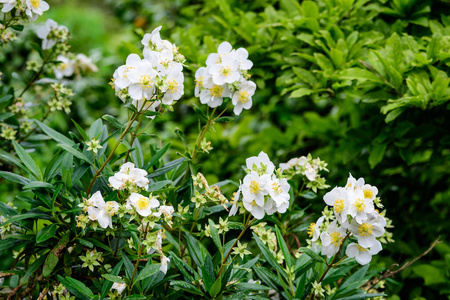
(247, 225)
(133, 117)
(133, 137)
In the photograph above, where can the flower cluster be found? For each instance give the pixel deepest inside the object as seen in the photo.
(32, 8)
(353, 217)
(204, 193)
(226, 75)
(52, 33)
(147, 210)
(307, 167)
(73, 64)
(156, 78)
(263, 190)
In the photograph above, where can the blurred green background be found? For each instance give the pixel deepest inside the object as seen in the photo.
(311, 98)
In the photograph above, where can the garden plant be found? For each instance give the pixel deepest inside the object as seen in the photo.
(235, 150)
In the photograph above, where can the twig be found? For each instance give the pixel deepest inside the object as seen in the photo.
(42, 294)
(390, 273)
(14, 291)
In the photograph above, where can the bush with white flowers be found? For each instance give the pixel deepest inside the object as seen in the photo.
(111, 218)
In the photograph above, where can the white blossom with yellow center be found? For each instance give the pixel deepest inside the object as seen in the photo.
(35, 8)
(142, 204)
(332, 239)
(242, 99)
(253, 192)
(142, 81)
(337, 198)
(65, 68)
(358, 205)
(43, 31)
(363, 255)
(101, 211)
(213, 94)
(314, 229)
(173, 87)
(367, 231)
(129, 177)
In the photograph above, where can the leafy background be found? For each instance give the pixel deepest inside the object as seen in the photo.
(361, 84)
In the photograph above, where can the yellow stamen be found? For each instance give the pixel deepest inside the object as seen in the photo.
(365, 229)
(368, 194)
(225, 71)
(339, 205)
(336, 239)
(216, 91)
(36, 3)
(199, 81)
(142, 203)
(276, 188)
(244, 97)
(254, 187)
(311, 229)
(146, 82)
(362, 249)
(360, 205)
(173, 86)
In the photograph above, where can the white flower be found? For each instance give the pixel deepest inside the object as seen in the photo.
(43, 32)
(332, 239)
(8, 5)
(153, 41)
(201, 76)
(143, 205)
(253, 192)
(167, 210)
(164, 62)
(366, 232)
(234, 208)
(213, 94)
(242, 99)
(359, 206)
(241, 56)
(370, 192)
(173, 87)
(65, 68)
(142, 81)
(215, 58)
(225, 72)
(337, 198)
(262, 162)
(119, 287)
(310, 172)
(164, 263)
(35, 8)
(363, 255)
(279, 191)
(100, 211)
(128, 174)
(353, 184)
(121, 80)
(137, 176)
(314, 229)
(85, 63)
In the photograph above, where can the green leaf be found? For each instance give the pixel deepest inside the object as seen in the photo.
(269, 256)
(46, 233)
(215, 236)
(284, 249)
(138, 156)
(184, 268)
(323, 62)
(301, 92)
(216, 287)
(14, 177)
(54, 134)
(376, 155)
(4, 116)
(106, 287)
(113, 278)
(31, 269)
(312, 254)
(147, 272)
(186, 286)
(27, 160)
(128, 266)
(156, 157)
(114, 121)
(38, 184)
(194, 249)
(361, 75)
(362, 296)
(23, 217)
(76, 287)
(86, 243)
(81, 131)
(354, 281)
(75, 153)
(96, 129)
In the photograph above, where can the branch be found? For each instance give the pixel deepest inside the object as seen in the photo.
(390, 273)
